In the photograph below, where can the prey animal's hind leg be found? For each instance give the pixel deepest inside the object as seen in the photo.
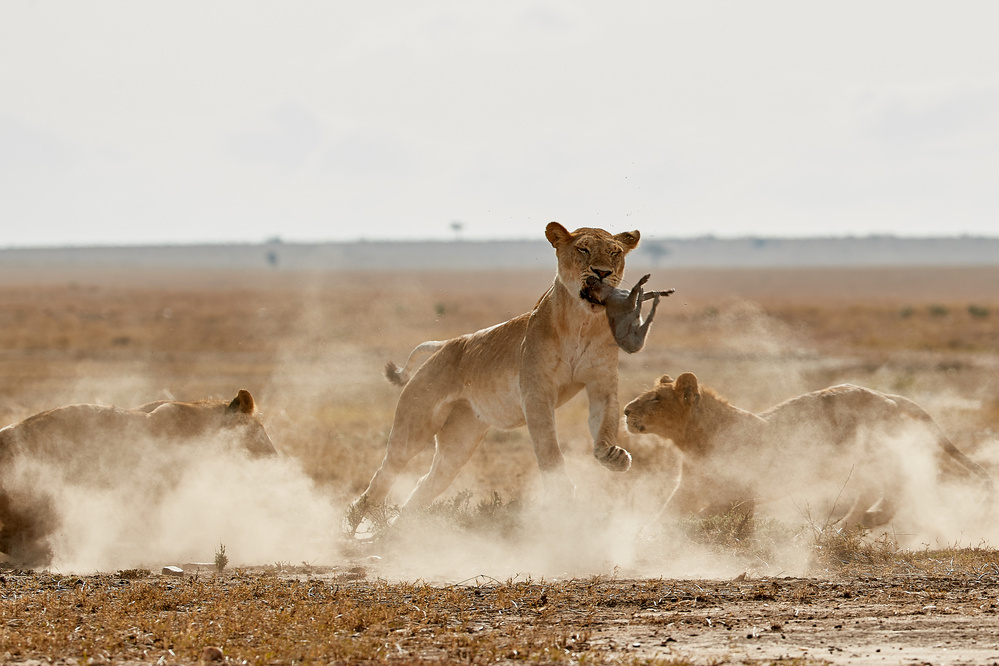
(637, 335)
(637, 294)
(456, 442)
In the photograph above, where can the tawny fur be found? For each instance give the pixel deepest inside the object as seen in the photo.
(512, 374)
(93, 443)
(732, 458)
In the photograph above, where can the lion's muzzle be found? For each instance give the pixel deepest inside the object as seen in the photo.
(632, 420)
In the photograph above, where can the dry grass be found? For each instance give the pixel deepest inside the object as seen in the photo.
(310, 347)
(297, 614)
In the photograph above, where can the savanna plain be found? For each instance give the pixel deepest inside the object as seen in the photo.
(490, 573)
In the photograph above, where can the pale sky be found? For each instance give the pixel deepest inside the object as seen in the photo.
(145, 122)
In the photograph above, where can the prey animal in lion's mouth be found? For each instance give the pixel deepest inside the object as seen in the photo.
(624, 309)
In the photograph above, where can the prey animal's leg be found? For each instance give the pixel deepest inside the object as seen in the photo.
(636, 296)
(637, 336)
(649, 295)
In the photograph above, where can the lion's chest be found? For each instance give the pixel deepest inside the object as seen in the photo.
(503, 366)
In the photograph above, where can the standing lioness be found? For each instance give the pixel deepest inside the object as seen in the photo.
(514, 373)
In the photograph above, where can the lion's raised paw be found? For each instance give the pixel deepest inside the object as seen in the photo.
(614, 458)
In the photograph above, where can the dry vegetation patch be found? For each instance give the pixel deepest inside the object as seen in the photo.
(310, 347)
(268, 615)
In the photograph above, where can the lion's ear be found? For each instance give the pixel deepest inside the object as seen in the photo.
(628, 239)
(686, 387)
(242, 403)
(557, 235)
(665, 379)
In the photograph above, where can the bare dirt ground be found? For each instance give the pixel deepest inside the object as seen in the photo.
(310, 347)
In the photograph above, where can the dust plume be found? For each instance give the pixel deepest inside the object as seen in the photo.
(110, 504)
(615, 523)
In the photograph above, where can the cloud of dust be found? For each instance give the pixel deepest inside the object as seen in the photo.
(603, 531)
(163, 503)
(177, 505)
(613, 526)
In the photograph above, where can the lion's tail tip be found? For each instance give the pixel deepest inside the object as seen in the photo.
(395, 374)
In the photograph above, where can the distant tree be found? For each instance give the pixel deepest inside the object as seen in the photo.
(457, 227)
(657, 251)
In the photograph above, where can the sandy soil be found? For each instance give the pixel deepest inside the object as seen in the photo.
(856, 619)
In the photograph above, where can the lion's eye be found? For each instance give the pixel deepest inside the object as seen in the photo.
(615, 254)
(583, 251)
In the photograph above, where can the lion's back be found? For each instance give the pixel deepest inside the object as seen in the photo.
(48, 433)
(831, 415)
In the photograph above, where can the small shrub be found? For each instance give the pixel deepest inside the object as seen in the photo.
(489, 515)
(978, 312)
(939, 311)
(853, 545)
(221, 559)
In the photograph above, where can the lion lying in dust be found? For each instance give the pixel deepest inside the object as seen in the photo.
(513, 373)
(100, 446)
(624, 310)
(840, 436)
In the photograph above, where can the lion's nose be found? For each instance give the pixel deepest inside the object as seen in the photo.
(601, 273)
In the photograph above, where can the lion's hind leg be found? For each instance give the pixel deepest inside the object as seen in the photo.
(409, 437)
(457, 440)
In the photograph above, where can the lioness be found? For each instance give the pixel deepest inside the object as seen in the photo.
(624, 310)
(837, 435)
(100, 446)
(514, 373)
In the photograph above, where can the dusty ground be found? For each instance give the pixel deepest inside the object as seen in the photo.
(310, 347)
(268, 617)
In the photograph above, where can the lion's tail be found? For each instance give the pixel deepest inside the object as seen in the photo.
(400, 376)
(916, 412)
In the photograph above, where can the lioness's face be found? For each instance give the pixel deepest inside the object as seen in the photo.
(235, 421)
(590, 253)
(665, 409)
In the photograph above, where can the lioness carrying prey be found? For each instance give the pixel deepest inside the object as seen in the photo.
(841, 434)
(624, 310)
(96, 446)
(513, 373)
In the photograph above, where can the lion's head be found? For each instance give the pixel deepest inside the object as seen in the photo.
(586, 253)
(235, 419)
(665, 409)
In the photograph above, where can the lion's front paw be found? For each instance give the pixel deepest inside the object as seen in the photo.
(614, 458)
